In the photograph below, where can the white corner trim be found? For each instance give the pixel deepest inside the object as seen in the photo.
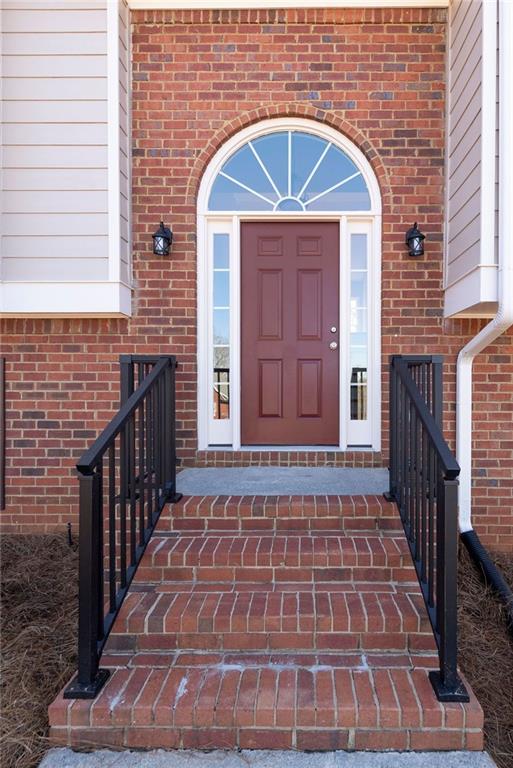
(91, 299)
(263, 4)
(113, 145)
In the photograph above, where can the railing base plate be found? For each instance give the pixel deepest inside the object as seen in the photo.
(455, 693)
(388, 496)
(175, 497)
(76, 690)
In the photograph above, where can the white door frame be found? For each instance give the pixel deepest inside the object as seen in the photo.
(226, 432)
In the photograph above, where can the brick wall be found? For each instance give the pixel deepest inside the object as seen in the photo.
(376, 75)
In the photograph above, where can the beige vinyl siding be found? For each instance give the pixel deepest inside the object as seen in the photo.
(55, 139)
(124, 141)
(470, 259)
(57, 73)
(464, 160)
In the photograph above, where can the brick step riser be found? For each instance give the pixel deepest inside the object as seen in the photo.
(265, 737)
(149, 574)
(278, 524)
(279, 640)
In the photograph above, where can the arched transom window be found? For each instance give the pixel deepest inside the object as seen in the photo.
(289, 171)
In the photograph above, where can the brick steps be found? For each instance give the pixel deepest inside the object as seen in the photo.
(272, 622)
(276, 558)
(248, 702)
(291, 618)
(281, 513)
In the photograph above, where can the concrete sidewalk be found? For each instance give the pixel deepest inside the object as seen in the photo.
(66, 758)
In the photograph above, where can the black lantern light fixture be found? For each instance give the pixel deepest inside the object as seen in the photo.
(162, 240)
(415, 241)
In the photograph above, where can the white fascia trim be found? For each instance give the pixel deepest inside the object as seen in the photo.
(475, 287)
(263, 4)
(90, 299)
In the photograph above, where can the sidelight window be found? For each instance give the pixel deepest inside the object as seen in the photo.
(358, 327)
(221, 326)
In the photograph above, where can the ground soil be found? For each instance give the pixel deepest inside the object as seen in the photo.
(38, 634)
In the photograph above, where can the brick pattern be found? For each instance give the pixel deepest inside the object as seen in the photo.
(376, 75)
(258, 705)
(226, 558)
(223, 458)
(268, 641)
(280, 513)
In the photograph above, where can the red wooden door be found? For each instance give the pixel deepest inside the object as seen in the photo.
(289, 306)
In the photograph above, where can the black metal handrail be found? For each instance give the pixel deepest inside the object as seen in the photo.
(126, 477)
(424, 485)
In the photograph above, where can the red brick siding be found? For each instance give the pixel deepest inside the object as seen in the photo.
(376, 75)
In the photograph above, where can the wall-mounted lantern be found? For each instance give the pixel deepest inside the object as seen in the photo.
(162, 240)
(415, 241)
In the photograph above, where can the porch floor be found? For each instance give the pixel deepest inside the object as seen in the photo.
(244, 481)
(272, 622)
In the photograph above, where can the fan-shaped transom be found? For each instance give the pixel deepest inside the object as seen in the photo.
(289, 171)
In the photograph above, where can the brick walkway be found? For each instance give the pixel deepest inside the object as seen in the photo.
(272, 623)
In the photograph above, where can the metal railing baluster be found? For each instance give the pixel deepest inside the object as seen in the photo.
(423, 484)
(144, 427)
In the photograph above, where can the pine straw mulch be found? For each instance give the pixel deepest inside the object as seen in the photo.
(486, 654)
(38, 634)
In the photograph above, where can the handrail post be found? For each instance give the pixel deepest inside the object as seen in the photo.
(446, 682)
(391, 494)
(170, 433)
(90, 678)
(126, 378)
(437, 389)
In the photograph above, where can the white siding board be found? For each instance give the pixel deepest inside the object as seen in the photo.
(57, 178)
(57, 247)
(462, 172)
(53, 270)
(75, 224)
(53, 5)
(468, 141)
(55, 88)
(70, 111)
(55, 157)
(54, 66)
(35, 44)
(55, 133)
(76, 201)
(460, 199)
(43, 21)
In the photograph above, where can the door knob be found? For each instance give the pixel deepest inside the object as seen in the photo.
(333, 329)
(333, 345)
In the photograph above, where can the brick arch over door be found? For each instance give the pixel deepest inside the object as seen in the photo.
(354, 209)
(289, 110)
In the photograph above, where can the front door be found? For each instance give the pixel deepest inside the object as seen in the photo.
(290, 333)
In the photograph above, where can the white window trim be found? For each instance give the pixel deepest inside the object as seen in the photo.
(228, 433)
(240, 4)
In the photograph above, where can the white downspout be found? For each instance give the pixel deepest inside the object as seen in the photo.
(504, 317)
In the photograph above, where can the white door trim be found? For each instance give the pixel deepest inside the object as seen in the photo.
(226, 432)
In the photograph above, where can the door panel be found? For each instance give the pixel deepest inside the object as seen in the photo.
(289, 302)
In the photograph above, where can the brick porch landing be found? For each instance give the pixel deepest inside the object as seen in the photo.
(272, 622)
